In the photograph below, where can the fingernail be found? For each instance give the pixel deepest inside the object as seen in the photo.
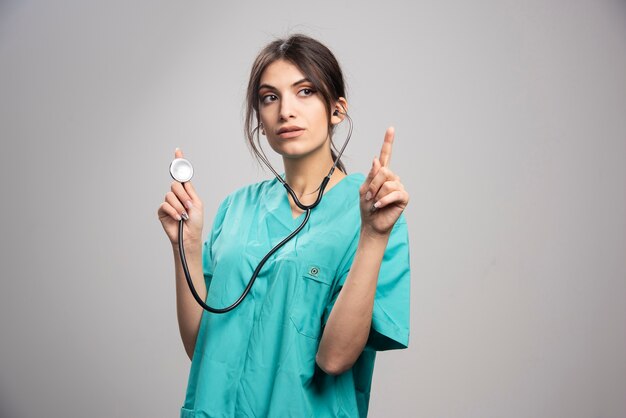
(188, 204)
(377, 204)
(368, 195)
(185, 216)
(178, 218)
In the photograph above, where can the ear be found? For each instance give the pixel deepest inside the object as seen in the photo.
(337, 113)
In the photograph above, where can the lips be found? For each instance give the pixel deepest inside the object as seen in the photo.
(287, 132)
(285, 129)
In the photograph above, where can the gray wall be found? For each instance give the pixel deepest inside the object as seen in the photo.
(511, 139)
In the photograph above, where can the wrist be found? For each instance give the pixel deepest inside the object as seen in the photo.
(369, 235)
(191, 248)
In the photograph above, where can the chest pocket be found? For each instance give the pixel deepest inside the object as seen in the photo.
(312, 294)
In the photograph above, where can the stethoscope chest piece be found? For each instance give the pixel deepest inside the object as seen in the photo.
(181, 170)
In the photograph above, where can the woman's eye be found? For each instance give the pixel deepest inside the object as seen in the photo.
(269, 98)
(307, 92)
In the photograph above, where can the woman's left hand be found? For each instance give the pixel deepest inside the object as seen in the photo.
(383, 197)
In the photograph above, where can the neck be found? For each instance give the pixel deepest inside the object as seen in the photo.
(305, 174)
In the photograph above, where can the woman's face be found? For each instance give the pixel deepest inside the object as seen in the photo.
(293, 114)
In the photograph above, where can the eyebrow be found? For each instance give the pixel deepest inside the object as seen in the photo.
(268, 86)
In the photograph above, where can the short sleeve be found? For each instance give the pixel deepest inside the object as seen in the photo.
(207, 247)
(391, 313)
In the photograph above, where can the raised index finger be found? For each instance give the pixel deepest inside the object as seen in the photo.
(385, 152)
(178, 153)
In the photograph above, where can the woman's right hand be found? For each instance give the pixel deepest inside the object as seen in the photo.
(182, 201)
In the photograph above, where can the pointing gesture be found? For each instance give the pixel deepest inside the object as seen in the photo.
(385, 151)
(382, 196)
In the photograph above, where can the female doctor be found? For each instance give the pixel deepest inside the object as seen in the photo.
(303, 341)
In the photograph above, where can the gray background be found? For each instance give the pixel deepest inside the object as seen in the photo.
(511, 139)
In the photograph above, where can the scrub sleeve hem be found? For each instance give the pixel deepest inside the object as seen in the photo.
(390, 336)
(187, 413)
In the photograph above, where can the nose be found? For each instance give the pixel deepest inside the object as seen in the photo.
(287, 108)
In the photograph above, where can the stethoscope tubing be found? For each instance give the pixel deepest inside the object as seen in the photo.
(306, 208)
(198, 299)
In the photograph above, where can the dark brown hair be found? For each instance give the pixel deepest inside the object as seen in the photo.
(317, 64)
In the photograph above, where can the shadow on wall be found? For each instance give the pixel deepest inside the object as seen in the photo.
(6, 409)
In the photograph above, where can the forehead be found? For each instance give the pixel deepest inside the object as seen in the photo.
(281, 73)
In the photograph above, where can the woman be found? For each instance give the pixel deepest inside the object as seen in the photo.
(303, 342)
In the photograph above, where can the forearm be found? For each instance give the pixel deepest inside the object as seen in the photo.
(348, 325)
(188, 311)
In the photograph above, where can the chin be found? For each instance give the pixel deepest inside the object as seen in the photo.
(293, 155)
(292, 150)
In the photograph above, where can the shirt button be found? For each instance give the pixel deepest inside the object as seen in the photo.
(314, 271)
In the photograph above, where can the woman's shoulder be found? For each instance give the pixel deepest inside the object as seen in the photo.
(250, 192)
(349, 185)
(354, 179)
(256, 189)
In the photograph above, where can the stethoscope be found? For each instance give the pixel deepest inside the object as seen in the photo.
(181, 170)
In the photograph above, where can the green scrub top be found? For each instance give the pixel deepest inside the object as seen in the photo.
(258, 360)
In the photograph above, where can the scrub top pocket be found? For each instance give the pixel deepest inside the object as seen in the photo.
(311, 297)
